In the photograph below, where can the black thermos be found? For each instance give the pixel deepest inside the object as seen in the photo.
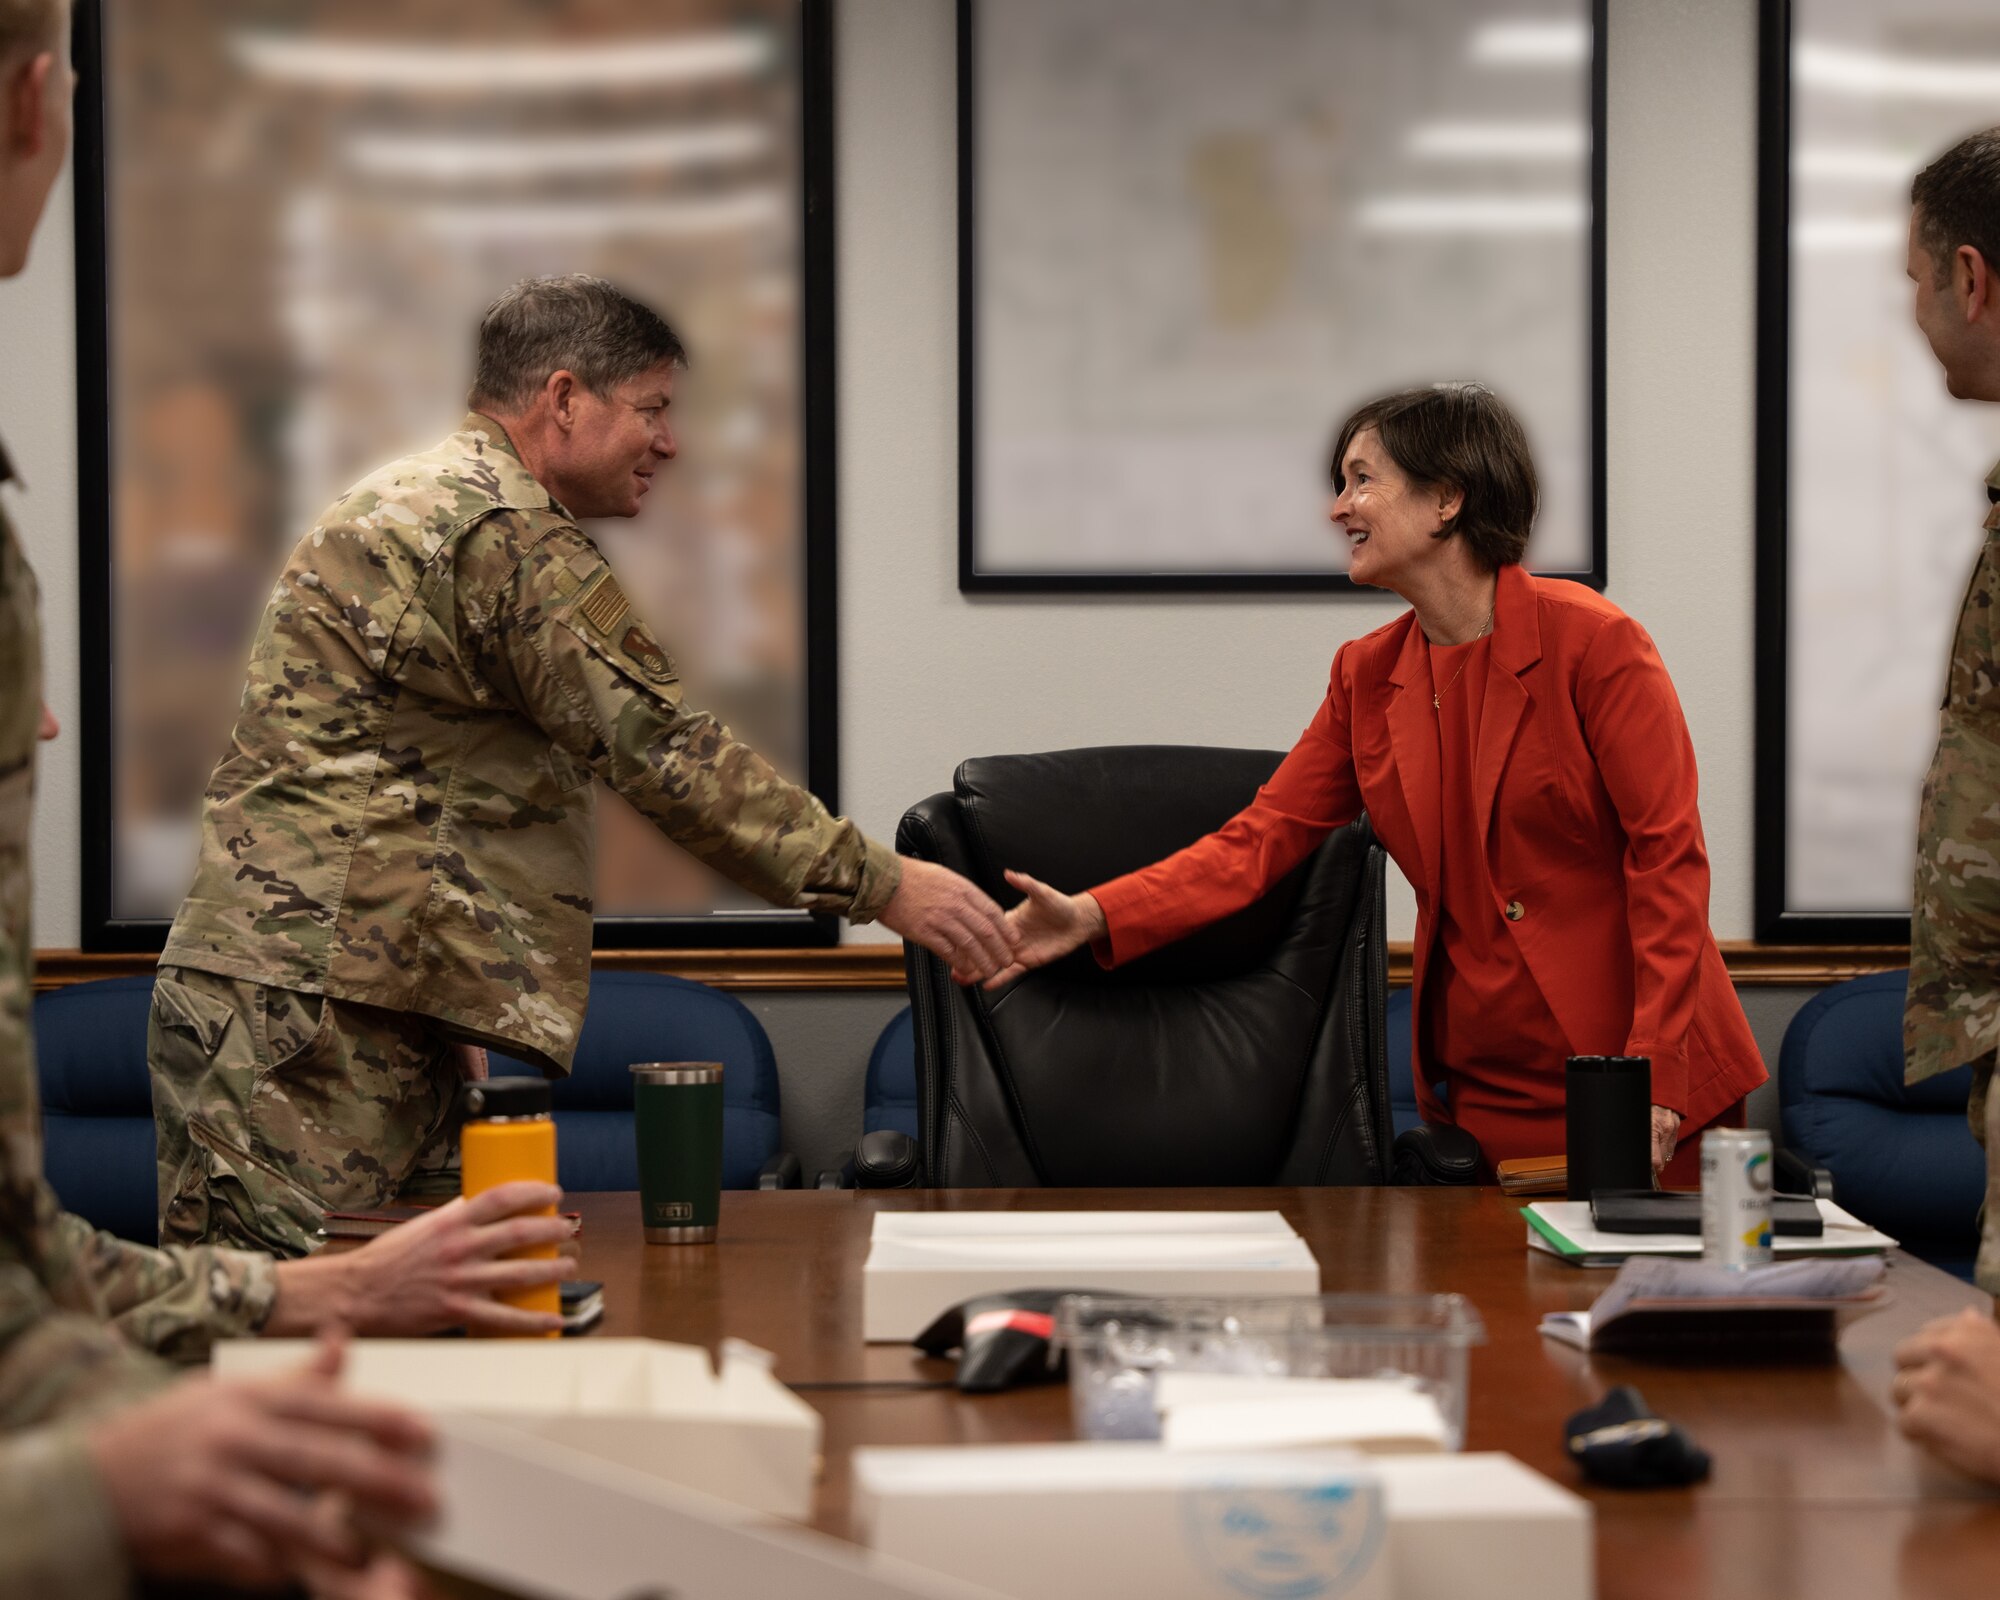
(1608, 1122)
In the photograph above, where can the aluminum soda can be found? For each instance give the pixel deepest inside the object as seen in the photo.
(1736, 1175)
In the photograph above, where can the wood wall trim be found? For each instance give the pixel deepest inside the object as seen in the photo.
(880, 966)
(854, 966)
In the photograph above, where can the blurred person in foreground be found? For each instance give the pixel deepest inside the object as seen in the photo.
(111, 1470)
(1948, 1387)
(397, 849)
(1521, 754)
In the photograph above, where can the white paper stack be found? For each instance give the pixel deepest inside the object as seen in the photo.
(1081, 1521)
(1219, 1411)
(921, 1263)
(660, 1409)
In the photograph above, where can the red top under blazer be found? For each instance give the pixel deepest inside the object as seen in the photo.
(1586, 777)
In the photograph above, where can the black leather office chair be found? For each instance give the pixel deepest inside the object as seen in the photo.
(1250, 1052)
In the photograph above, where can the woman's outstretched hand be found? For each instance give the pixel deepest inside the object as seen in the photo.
(1047, 926)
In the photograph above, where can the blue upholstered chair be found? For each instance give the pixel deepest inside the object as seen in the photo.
(97, 1103)
(1901, 1156)
(1402, 1073)
(648, 1016)
(889, 1095)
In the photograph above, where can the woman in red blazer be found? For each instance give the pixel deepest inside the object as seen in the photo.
(1518, 747)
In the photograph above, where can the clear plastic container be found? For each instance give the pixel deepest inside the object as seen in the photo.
(1117, 1347)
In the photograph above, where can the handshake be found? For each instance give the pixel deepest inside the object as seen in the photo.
(959, 923)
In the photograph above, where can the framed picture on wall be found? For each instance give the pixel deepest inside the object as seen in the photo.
(288, 224)
(1193, 237)
(1870, 478)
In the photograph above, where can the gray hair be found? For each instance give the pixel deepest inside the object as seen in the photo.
(574, 323)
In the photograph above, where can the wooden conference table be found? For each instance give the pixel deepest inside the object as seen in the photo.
(1814, 1494)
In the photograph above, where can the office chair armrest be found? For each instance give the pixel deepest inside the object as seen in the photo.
(886, 1159)
(782, 1171)
(1796, 1175)
(1435, 1154)
(839, 1177)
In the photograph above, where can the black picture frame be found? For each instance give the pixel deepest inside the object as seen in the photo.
(101, 929)
(1773, 918)
(973, 581)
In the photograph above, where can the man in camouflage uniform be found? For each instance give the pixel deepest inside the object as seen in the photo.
(397, 850)
(1953, 1012)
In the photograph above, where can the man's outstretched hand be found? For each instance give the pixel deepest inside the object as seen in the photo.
(953, 919)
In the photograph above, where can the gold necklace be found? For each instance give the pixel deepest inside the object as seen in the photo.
(1437, 697)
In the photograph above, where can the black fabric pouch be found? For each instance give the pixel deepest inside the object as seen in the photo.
(1620, 1443)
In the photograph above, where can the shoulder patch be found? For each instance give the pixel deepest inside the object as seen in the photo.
(603, 604)
(649, 657)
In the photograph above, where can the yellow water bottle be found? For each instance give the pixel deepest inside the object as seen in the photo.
(509, 1134)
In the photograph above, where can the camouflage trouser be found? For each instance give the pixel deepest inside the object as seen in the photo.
(273, 1107)
(1984, 1113)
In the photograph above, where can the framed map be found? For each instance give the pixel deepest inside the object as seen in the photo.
(289, 221)
(1193, 237)
(1870, 485)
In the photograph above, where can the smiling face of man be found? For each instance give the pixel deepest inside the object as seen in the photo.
(615, 443)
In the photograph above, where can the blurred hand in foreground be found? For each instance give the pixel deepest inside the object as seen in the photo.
(211, 1480)
(1947, 1391)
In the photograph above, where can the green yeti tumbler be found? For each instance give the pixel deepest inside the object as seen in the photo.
(679, 1113)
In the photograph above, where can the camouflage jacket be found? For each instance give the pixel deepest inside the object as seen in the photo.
(1952, 1015)
(404, 817)
(73, 1301)
(60, 1535)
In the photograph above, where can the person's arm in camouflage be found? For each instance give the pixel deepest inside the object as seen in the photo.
(175, 1302)
(61, 1537)
(62, 1362)
(565, 648)
(557, 639)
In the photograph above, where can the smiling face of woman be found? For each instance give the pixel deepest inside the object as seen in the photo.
(1391, 524)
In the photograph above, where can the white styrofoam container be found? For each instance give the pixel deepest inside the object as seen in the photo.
(1079, 1521)
(1485, 1525)
(735, 1433)
(921, 1263)
(533, 1518)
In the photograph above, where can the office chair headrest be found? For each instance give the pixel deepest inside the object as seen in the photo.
(1074, 818)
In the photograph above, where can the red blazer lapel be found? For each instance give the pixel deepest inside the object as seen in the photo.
(1517, 646)
(1413, 742)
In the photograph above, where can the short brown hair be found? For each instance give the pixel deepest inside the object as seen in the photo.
(573, 323)
(1957, 200)
(1462, 436)
(32, 25)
